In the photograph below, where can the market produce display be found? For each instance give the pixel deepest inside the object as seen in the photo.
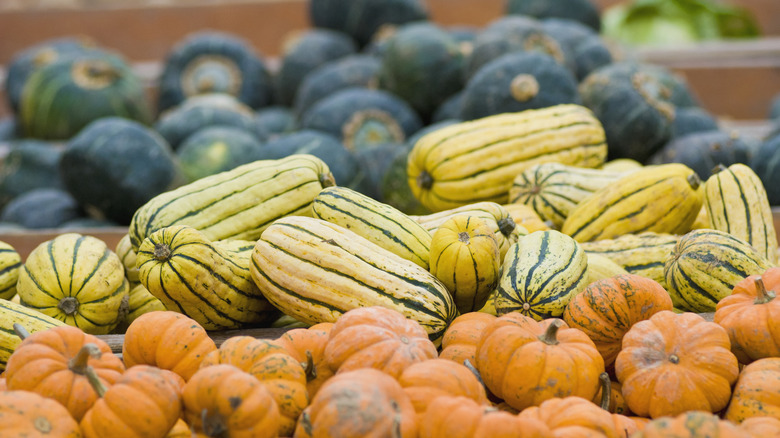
(404, 230)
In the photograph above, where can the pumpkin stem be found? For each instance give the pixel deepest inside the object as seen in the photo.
(763, 295)
(474, 370)
(309, 368)
(424, 180)
(21, 331)
(506, 226)
(213, 426)
(162, 252)
(95, 382)
(68, 305)
(550, 335)
(78, 364)
(606, 391)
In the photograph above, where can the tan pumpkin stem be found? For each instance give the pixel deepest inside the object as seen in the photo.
(763, 295)
(309, 368)
(162, 252)
(78, 364)
(21, 331)
(606, 391)
(474, 370)
(95, 382)
(550, 336)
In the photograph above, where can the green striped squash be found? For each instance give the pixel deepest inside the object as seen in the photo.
(124, 250)
(706, 265)
(142, 301)
(477, 160)
(31, 320)
(540, 274)
(737, 203)
(237, 204)
(380, 223)
(315, 271)
(208, 281)
(78, 280)
(554, 189)
(10, 262)
(640, 254)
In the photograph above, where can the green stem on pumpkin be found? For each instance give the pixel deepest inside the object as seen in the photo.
(95, 382)
(78, 364)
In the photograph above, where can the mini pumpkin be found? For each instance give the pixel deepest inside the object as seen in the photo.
(757, 392)
(377, 337)
(751, 316)
(691, 424)
(27, 414)
(576, 416)
(167, 340)
(461, 337)
(760, 427)
(525, 362)
(307, 346)
(672, 363)
(425, 381)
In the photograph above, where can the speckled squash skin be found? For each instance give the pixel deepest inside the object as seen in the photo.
(755, 393)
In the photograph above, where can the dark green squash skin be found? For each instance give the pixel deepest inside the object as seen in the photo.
(374, 162)
(362, 18)
(28, 60)
(586, 46)
(350, 71)
(449, 109)
(422, 64)
(42, 209)
(215, 149)
(591, 54)
(360, 117)
(493, 91)
(29, 165)
(692, 119)
(61, 98)
(273, 121)
(702, 151)
(306, 52)
(766, 163)
(774, 108)
(633, 108)
(583, 11)
(9, 129)
(80, 223)
(114, 166)
(187, 71)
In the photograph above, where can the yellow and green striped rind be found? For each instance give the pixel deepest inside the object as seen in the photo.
(640, 254)
(706, 265)
(540, 275)
(664, 199)
(737, 204)
(601, 267)
(32, 320)
(477, 160)
(495, 216)
(10, 263)
(208, 281)
(380, 223)
(124, 250)
(315, 271)
(142, 301)
(239, 203)
(75, 279)
(465, 257)
(554, 189)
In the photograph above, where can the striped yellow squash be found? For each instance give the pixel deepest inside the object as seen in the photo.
(477, 160)
(31, 320)
(737, 203)
(380, 223)
(124, 250)
(239, 203)
(706, 265)
(10, 262)
(465, 257)
(526, 217)
(621, 165)
(601, 267)
(664, 199)
(142, 301)
(208, 281)
(78, 280)
(315, 271)
(540, 274)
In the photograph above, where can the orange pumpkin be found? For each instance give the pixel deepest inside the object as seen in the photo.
(427, 380)
(575, 417)
(672, 363)
(167, 340)
(361, 403)
(751, 316)
(691, 424)
(761, 427)
(221, 400)
(377, 337)
(461, 337)
(3, 385)
(462, 417)
(606, 309)
(525, 362)
(144, 403)
(270, 363)
(307, 346)
(757, 392)
(53, 363)
(180, 430)
(27, 414)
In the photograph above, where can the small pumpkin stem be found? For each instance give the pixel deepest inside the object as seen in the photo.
(606, 391)
(694, 181)
(550, 335)
(506, 225)
(674, 359)
(95, 382)
(309, 368)
(474, 370)
(425, 180)
(719, 168)
(162, 252)
(763, 295)
(78, 364)
(21, 331)
(68, 305)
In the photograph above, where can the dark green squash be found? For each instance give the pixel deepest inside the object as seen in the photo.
(692, 119)
(702, 151)
(115, 165)
(680, 93)
(373, 163)
(516, 82)
(9, 129)
(29, 165)
(583, 11)
(41, 209)
(61, 98)
(422, 64)
(215, 149)
(449, 109)
(360, 117)
(214, 62)
(394, 187)
(81, 223)
(766, 163)
(273, 121)
(302, 54)
(588, 49)
(362, 18)
(774, 107)
(350, 71)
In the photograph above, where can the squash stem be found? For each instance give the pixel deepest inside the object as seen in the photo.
(95, 382)
(68, 305)
(162, 252)
(606, 391)
(474, 370)
(424, 180)
(550, 335)
(506, 226)
(78, 364)
(21, 331)
(763, 295)
(309, 368)
(694, 181)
